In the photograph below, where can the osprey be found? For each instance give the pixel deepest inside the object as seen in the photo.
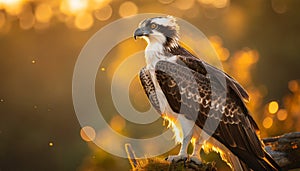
(179, 87)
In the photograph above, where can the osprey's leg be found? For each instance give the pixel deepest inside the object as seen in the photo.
(197, 143)
(187, 133)
(195, 157)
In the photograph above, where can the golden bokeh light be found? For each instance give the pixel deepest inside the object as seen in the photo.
(235, 22)
(215, 3)
(184, 4)
(51, 144)
(12, 7)
(43, 13)
(268, 122)
(293, 86)
(88, 133)
(104, 13)
(102, 69)
(273, 107)
(206, 2)
(73, 6)
(165, 1)
(242, 61)
(98, 4)
(33, 61)
(220, 3)
(84, 21)
(217, 43)
(64, 10)
(294, 146)
(128, 8)
(27, 20)
(117, 123)
(282, 114)
(67, 11)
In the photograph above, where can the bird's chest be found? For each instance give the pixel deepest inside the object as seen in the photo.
(154, 53)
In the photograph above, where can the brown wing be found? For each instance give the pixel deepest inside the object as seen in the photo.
(220, 113)
(206, 69)
(149, 88)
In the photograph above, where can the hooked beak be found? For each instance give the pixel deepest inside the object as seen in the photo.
(140, 32)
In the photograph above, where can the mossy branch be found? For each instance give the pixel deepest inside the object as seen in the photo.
(284, 149)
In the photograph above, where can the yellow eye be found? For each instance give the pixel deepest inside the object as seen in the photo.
(153, 26)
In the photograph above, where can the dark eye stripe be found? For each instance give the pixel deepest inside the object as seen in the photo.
(166, 30)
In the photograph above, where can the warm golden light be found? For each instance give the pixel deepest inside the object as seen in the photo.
(208, 147)
(27, 19)
(51, 144)
(165, 1)
(268, 122)
(103, 69)
(184, 4)
(243, 61)
(273, 107)
(88, 133)
(128, 8)
(84, 21)
(104, 13)
(282, 114)
(293, 86)
(12, 7)
(78, 5)
(215, 3)
(67, 11)
(217, 43)
(206, 1)
(117, 123)
(175, 126)
(10, 2)
(73, 6)
(43, 13)
(220, 3)
(33, 61)
(294, 146)
(235, 21)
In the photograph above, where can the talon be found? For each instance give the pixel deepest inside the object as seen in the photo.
(177, 159)
(195, 160)
(184, 159)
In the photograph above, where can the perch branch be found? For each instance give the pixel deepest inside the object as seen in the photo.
(284, 149)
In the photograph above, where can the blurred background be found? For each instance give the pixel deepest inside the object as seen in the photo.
(40, 40)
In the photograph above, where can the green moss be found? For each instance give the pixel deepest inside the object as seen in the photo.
(158, 164)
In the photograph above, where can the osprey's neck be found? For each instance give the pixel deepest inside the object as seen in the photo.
(157, 50)
(153, 53)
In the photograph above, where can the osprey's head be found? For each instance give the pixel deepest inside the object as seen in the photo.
(162, 30)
